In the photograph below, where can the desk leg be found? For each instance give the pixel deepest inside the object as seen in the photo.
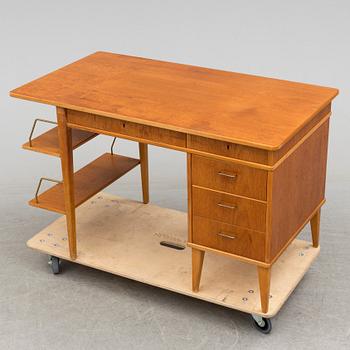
(65, 142)
(264, 286)
(143, 150)
(197, 264)
(315, 228)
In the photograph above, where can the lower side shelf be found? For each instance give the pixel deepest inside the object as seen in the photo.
(88, 181)
(123, 237)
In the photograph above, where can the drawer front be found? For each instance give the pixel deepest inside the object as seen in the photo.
(229, 208)
(228, 238)
(228, 149)
(229, 177)
(148, 133)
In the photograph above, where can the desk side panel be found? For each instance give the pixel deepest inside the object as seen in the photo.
(298, 188)
(275, 156)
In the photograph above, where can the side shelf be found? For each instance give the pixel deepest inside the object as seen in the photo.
(48, 142)
(88, 181)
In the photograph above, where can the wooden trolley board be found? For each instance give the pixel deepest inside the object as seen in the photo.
(123, 237)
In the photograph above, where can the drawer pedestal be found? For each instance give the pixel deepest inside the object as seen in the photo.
(253, 214)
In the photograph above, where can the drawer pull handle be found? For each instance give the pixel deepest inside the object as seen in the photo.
(227, 206)
(225, 235)
(231, 176)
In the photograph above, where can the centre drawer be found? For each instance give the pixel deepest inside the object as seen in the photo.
(128, 129)
(229, 208)
(228, 238)
(229, 177)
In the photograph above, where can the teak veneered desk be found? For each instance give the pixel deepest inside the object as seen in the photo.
(256, 166)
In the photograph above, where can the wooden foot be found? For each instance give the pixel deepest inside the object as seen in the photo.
(315, 228)
(197, 264)
(264, 285)
(66, 152)
(143, 150)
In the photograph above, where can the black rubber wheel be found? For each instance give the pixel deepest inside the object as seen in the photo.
(265, 328)
(55, 265)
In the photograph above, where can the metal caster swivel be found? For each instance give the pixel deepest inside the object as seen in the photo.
(55, 264)
(262, 324)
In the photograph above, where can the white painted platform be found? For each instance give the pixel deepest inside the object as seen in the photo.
(123, 237)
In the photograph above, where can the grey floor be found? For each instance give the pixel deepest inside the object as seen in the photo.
(88, 309)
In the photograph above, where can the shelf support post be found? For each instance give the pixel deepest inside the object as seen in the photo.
(66, 152)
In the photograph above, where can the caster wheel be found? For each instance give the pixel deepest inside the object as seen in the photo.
(55, 264)
(262, 324)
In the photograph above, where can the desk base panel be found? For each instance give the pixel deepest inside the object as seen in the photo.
(123, 237)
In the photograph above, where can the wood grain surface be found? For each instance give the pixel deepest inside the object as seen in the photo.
(229, 177)
(239, 108)
(298, 188)
(48, 141)
(87, 181)
(126, 128)
(68, 196)
(228, 238)
(228, 208)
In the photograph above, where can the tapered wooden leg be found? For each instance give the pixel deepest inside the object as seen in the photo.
(315, 228)
(143, 150)
(197, 264)
(264, 285)
(65, 142)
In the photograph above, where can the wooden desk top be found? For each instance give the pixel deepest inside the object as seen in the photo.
(240, 108)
